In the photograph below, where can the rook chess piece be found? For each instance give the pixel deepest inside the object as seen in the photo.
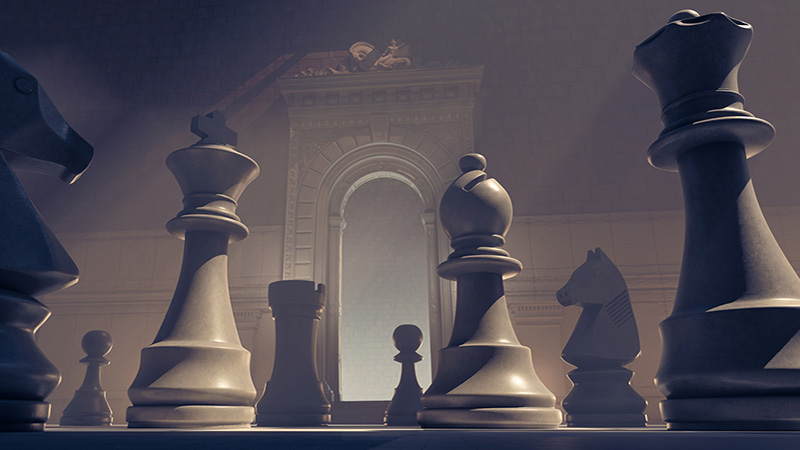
(196, 373)
(89, 406)
(402, 410)
(33, 137)
(604, 339)
(485, 377)
(294, 395)
(730, 345)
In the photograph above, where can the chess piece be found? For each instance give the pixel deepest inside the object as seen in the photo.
(402, 410)
(603, 341)
(196, 372)
(33, 137)
(89, 406)
(294, 395)
(485, 377)
(730, 345)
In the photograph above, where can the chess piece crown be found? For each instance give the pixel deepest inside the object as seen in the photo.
(476, 213)
(692, 65)
(212, 188)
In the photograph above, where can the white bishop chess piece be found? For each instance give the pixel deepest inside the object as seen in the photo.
(485, 377)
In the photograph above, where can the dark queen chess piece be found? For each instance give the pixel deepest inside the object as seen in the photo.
(89, 406)
(196, 372)
(603, 341)
(402, 410)
(33, 137)
(485, 377)
(294, 395)
(730, 346)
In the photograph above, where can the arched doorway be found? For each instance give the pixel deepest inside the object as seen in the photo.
(342, 179)
(346, 130)
(384, 284)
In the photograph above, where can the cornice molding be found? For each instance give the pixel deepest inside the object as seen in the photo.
(357, 82)
(350, 96)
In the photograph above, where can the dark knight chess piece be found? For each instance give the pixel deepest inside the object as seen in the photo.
(33, 137)
(402, 410)
(196, 373)
(730, 346)
(603, 341)
(485, 377)
(294, 395)
(89, 406)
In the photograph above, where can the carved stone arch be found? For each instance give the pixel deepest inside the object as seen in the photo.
(414, 131)
(340, 179)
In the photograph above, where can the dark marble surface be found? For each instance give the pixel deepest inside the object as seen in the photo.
(378, 437)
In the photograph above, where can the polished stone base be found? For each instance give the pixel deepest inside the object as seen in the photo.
(732, 369)
(293, 420)
(732, 413)
(403, 408)
(487, 386)
(23, 415)
(94, 420)
(190, 416)
(299, 403)
(606, 420)
(604, 398)
(522, 417)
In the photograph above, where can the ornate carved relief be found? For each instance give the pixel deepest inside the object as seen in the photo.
(365, 58)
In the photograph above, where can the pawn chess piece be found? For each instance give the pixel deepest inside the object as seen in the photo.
(89, 406)
(603, 341)
(196, 373)
(485, 377)
(402, 410)
(294, 395)
(730, 346)
(33, 137)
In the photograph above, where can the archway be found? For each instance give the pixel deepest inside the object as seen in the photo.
(347, 130)
(384, 284)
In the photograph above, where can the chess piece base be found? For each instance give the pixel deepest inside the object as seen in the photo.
(89, 420)
(190, 416)
(402, 410)
(293, 420)
(604, 398)
(606, 420)
(22, 415)
(294, 403)
(523, 417)
(697, 372)
(486, 377)
(778, 413)
(726, 353)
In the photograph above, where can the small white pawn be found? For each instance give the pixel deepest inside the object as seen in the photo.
(90, 406)
(402, 410)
